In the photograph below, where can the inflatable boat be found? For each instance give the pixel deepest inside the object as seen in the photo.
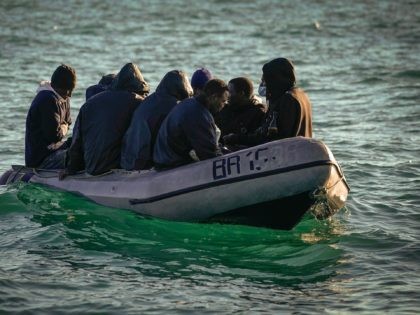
(271, 185)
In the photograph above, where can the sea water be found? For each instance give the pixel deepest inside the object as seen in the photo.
(359, 62)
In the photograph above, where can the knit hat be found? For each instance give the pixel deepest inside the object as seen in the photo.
(200, 78)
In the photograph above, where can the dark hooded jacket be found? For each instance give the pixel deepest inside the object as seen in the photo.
(103, 85)
(47, 123)
(139, 140)
(102, 123)
(189, 126)
(289, 113)
(241, 118)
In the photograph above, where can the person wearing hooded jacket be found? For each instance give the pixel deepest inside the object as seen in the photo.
(139, 140)
(189, 133)
(48, 121)
(102, 123)
(289, 112)
(103, 85)
(243, 113)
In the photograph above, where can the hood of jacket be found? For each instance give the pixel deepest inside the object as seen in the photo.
(176, 84)
(130, 79)
(279, 77)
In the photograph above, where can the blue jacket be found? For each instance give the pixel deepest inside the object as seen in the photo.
(47, 123)
(189, 126)
(139, 140)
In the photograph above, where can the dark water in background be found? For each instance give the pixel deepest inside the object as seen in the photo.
(359, 61)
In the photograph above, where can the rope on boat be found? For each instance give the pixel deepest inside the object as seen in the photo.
(321, 208)
(46, 171)
(95, 176)
(339, 180)
(37, 173)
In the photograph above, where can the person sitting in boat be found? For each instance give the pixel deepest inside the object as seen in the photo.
(188, 133)
(289, 112)
(103, 85)
(199, 79)
(102, 123)
(48, 121)
(244, 112)
(139, 140)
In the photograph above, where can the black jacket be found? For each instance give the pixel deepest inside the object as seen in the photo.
(103, 121)
(243, 118)
(98, 131)
(189, 126)
(47, 123)
(290, 111)
(288, 116)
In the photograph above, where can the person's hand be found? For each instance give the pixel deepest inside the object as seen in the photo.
(64, 128)
(63, 174)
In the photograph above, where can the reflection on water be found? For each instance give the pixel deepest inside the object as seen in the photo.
(185, 249)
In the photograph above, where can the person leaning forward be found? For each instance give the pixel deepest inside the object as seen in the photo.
(188, 133)
(102, 123)
(243, 113)
(48, 121)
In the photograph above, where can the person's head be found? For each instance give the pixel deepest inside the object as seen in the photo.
(199, 79)
(176, 84)
(216, 94)
(130, 79)
(107, 79)
(103, 85)
(240, 90)
(63, 80)
(279, 77)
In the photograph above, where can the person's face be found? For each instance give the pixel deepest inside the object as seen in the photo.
(217, 102)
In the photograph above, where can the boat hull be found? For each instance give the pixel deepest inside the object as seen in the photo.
(271, 185)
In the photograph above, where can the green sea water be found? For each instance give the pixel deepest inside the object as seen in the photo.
(358, 61)
(60, 245)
